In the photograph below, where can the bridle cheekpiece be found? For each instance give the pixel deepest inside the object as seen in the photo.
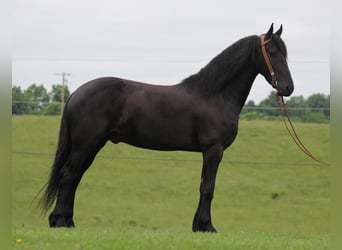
(263, 42)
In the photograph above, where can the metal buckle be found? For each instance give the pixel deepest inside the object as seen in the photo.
(274, 82)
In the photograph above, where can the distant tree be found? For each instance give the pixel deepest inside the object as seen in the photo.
(320, 101)
(37, 98)
(316, 108)
(56, 93)
(37, 93)
(270, 104)
(248, 107)
(53, 108)
(19, 106)
(296, 105)
(250, 104)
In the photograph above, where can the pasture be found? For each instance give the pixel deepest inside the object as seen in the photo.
(268, 195)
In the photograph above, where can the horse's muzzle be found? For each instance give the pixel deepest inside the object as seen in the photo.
(285, 89)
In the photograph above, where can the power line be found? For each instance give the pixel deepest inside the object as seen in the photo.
(122, 60)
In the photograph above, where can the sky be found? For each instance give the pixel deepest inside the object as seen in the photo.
(162, 42)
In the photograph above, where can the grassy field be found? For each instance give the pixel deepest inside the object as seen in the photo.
(109, 239)
(268, 195)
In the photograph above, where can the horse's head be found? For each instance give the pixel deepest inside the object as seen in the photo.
(272, 62)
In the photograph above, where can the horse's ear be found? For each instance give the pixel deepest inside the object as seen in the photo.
(269, 32)
(279, 31)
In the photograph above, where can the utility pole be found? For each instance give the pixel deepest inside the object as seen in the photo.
(64, 80)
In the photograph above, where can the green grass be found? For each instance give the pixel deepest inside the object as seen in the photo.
(103, 239)
(268, 195)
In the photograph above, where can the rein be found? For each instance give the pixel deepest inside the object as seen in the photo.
(291, 129)
(281, 103)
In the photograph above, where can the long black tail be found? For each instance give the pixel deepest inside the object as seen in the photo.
(62, 154)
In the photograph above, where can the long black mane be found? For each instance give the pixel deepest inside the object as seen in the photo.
(224, 67)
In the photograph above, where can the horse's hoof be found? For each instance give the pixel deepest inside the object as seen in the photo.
(210, 229)
(204, 228)
(60, 221)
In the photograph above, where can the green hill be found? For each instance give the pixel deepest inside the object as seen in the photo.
(264, 184)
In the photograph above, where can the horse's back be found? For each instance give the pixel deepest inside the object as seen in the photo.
(96, 88)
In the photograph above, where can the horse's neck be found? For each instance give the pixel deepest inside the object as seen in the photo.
(237, 90)
(231, 74)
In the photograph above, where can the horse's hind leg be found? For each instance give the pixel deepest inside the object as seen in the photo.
(78, 162)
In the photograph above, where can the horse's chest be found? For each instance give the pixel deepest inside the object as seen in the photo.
(229, 134)
(217, 129)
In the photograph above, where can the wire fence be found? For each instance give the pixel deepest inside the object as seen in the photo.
(156, 159)
(292, 108)
(245, 108)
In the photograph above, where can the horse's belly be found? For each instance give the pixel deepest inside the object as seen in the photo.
(165, 136)
(158, 144)
(162, 145)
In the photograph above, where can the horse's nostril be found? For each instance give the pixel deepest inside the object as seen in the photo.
(288, 89)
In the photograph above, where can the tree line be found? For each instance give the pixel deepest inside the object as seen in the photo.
(316, 108)
(37, 100)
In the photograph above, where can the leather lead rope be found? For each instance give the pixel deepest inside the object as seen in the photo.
(292, 131)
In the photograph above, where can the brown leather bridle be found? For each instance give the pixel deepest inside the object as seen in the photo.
(263, 43)
(274, 83)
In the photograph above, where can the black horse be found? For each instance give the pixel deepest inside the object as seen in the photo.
(199, 114)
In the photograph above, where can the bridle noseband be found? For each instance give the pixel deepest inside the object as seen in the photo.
(263, 42)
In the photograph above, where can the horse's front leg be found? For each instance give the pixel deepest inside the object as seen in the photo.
(211, 159)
